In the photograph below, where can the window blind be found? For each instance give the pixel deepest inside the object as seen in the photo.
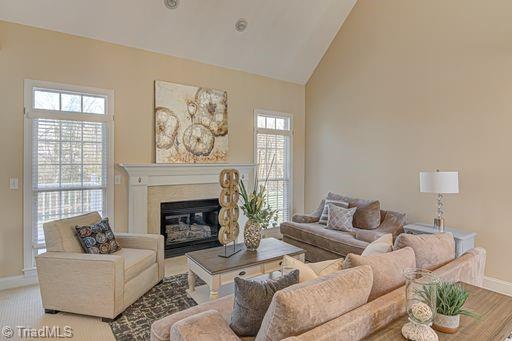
(273, 153)
(69, 170)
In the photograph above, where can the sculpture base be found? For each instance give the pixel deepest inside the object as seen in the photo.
(231, 252)
(418, 332)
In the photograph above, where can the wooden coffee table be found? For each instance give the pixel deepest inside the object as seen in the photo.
(495, 322)
(217, 271)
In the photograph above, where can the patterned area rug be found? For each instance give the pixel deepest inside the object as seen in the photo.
(164, 299)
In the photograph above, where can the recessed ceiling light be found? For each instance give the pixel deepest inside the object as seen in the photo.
(241, 25)
(171, 4)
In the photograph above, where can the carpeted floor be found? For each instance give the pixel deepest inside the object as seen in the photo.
(164, 299)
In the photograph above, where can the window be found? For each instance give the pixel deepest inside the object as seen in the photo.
(68, 153)
(273, 135)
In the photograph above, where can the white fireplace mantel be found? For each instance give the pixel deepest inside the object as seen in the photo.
(142, 176)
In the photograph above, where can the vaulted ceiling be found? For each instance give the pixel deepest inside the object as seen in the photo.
(284, 39)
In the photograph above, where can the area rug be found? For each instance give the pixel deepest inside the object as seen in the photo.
(164, 299)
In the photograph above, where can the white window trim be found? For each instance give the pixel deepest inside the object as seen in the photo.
(29, 114)
(289, 133)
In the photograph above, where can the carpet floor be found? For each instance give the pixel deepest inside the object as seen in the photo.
(164, 299)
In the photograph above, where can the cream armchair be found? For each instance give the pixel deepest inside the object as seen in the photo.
(98, 285)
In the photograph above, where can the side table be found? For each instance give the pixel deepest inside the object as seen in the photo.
(464, 240)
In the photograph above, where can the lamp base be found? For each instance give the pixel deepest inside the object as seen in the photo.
(439, 224)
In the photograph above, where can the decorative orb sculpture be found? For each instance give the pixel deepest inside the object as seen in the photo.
(228, 200)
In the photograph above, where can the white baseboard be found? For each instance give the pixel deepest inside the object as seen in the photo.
(498, 285)
(29, 278)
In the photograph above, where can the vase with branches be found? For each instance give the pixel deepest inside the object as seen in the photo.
(257, 210)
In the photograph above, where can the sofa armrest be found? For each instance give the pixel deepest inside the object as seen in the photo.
(468, 268)
(140, 241)
(153, 242)
(205, 326)
(310, 218)
(305, 218)
(81, 283)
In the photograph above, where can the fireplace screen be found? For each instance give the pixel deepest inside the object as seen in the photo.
(190, 225)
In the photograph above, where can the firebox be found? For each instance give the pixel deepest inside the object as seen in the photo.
(189, 225)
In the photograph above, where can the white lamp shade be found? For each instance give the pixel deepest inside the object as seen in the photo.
(439, 182)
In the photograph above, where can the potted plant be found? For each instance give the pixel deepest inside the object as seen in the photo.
(256, 209)
(449, 306)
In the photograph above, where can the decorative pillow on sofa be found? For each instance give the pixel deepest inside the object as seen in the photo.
(307, 305)
(97, 238)
(384, 244)
(388, 269)
(340, 218)
(309, 271)
(432, 250)
(367, 215)
(252, 300)
(325, 212)
(393, 223)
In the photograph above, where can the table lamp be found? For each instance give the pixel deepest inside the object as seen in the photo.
(439, 183)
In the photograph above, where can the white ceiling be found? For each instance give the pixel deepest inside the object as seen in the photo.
(285, 39)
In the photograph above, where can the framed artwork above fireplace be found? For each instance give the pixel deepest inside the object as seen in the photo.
(191, 124)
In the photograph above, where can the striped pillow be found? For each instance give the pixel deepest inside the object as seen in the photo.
(325, 212)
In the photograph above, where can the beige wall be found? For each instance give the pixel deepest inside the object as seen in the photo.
(44, 55)
(411, 85)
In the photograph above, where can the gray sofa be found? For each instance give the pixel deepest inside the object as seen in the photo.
(321, 244)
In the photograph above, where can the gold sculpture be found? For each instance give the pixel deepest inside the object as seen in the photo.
(229, 212)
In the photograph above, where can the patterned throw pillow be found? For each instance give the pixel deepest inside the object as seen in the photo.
(340, 218)
(325, 212)
(97, 238)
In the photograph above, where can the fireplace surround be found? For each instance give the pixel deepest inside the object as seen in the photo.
(189, 225)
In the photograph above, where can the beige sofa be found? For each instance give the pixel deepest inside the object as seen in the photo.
(92, 284)
(320, 243)
(210, 321)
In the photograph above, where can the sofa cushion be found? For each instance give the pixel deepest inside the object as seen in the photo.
(304, 306)
(309, 271)
(431, 250)
(60, 234)
(252, 299)
(160, 329)
(388, 269)
(340, 218)
(97, 237)
(381, 245)
(338, 242)
(368, 235)
(136, 261)
(205, 326)
(325, 212)
(368, 214)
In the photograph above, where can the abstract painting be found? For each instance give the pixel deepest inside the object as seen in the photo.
(191, 124)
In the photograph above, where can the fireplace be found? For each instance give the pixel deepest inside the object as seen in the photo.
(189, 225)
